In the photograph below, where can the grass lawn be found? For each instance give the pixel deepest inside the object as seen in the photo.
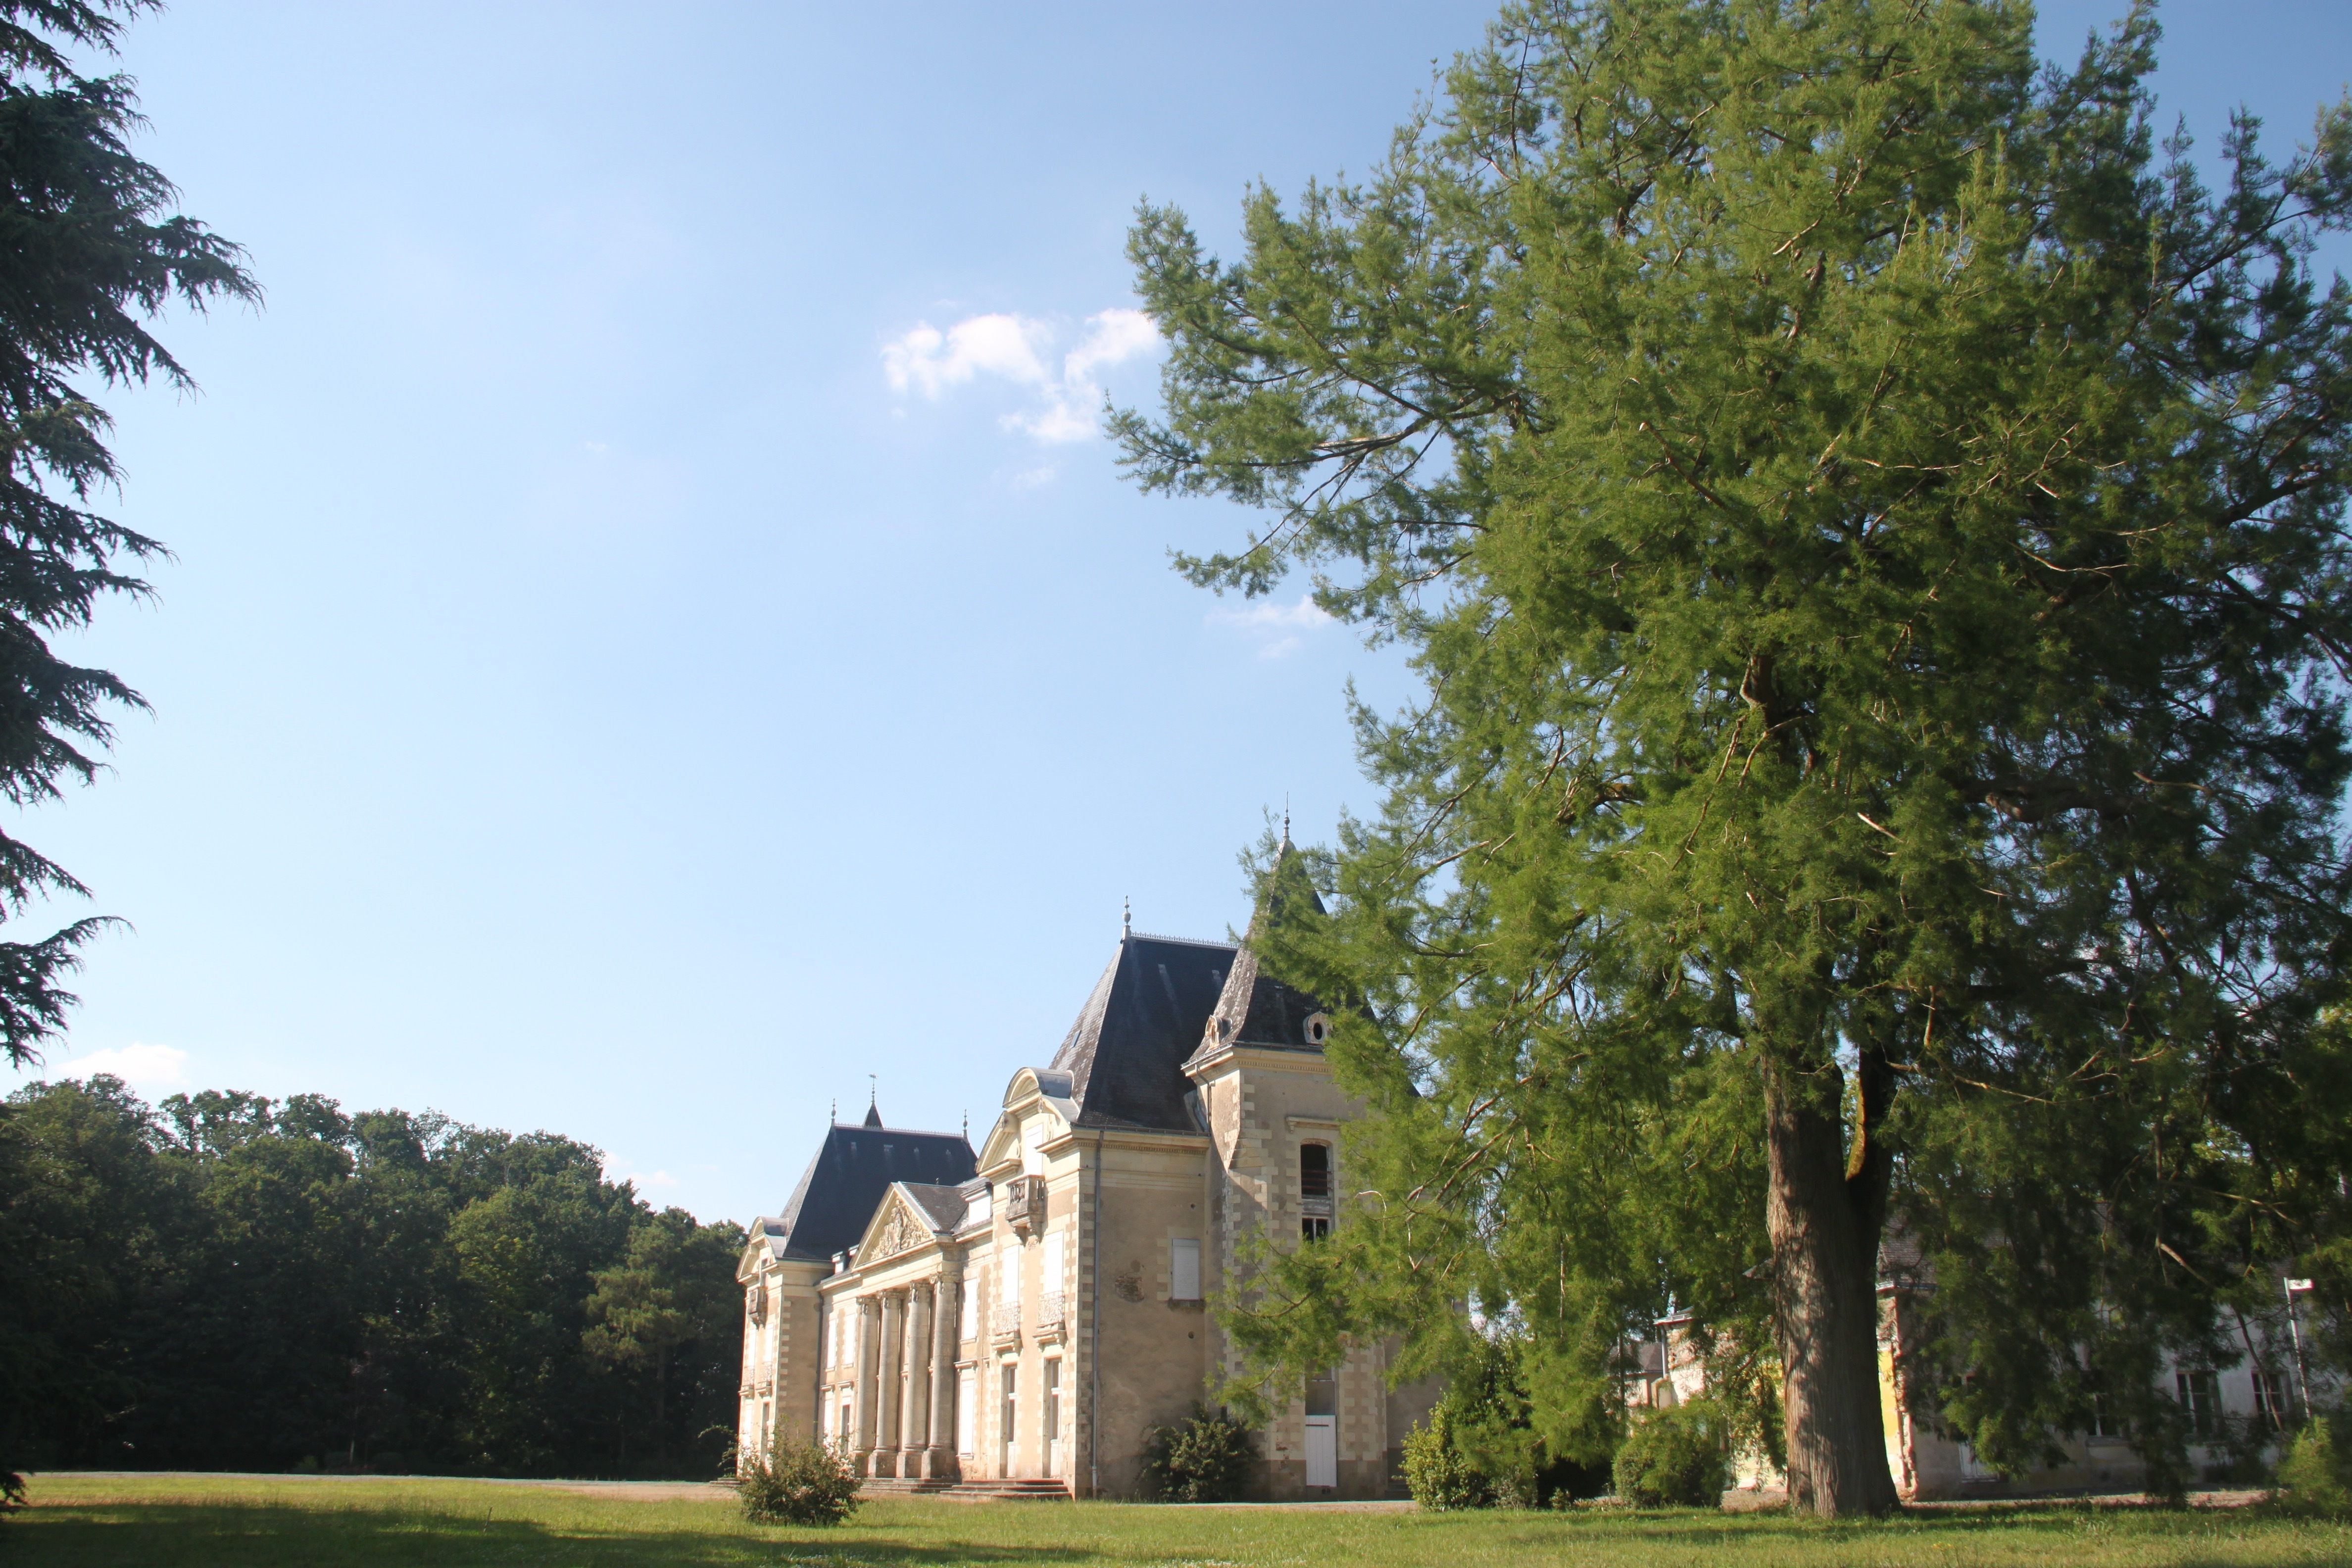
(180, 1521)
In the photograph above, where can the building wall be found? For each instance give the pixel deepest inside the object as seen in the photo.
(1159, 1353)
(1263, 1106)
(1155, 1346)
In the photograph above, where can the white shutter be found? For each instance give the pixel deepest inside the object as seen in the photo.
(964, 1411)
(1008, 1275)
(1051, 1268)
(970, 1329)
(1184, 1270)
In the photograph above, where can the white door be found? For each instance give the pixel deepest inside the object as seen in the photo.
(1322, 1429)
(1322, 1451)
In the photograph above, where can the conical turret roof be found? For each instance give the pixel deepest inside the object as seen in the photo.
(1252, 1007)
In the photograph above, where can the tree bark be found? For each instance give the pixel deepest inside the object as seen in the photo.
(1825, 1212)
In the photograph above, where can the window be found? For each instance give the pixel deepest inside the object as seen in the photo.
(1049, 1269)
(1184, 1270)
(2105, 1422)
(1315, 1170)
(1007, 1423)
(1314, 1191)
(2199, 1401)
(765, 1412)
(1053, 1416)
(2274, 1410)
(965, 1415)
(971, 1326)
(843, 1434)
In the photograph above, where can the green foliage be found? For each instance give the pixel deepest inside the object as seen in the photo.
(1680, 1456)
(236, 1283)
(797, 1482)
(1480, 1446)
(2315, 1474)
(94, 251)
(1205, 1457)
(1439, 1473)
(1870, 523)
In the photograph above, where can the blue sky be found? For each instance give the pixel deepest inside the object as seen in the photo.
(654, 637)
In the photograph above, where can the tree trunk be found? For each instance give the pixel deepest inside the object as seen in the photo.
(661, 1404)
(1825, 1212)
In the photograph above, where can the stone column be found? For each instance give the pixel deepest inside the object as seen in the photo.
(915, 1423)
(885, 1408)
(939, 1457)
(862, 1444)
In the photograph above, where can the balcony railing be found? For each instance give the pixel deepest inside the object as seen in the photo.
(1024, 1202)
(1049, 1313)
(1006, 1322)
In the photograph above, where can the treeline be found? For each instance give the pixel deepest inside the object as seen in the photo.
(227, 1282)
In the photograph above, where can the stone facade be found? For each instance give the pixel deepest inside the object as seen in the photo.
(1033, 1318)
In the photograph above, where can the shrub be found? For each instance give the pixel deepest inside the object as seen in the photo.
(1679, 1455)
(1480, 1448)
(797, 1482)
(2316, 1476)
(1205, 1457)
(1440, 1475)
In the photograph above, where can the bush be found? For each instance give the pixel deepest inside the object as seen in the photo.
(1205, 1457)
(1679, 1455)
(2316, 1476)
(797, 1482)
(1440, 1475)
(1480, 1448)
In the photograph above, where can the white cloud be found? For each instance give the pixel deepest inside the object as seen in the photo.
(929, 361)
(1277, 629)
(1111, 336)
(145, 1068)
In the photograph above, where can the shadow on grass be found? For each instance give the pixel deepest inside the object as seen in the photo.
(265, 1535)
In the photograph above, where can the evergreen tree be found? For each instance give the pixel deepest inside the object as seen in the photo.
(93, 251)
(1871, 526)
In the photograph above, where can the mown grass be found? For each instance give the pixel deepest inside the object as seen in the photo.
(173, 1522)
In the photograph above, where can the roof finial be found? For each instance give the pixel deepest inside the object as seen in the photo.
(1286, 819)
(1126, 919)
(967, 1126)
(873, 1111)
(835, 1114)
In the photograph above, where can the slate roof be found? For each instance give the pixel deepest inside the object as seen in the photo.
(843, 1184)
(1256, 1009)
(943, 1207)
(1126, 1053)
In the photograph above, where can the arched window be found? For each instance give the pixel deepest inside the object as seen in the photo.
(1314, 1190)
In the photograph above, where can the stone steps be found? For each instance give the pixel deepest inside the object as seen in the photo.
(1030, 1490)
(894, 1486)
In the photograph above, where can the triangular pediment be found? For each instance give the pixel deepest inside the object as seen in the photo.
(897, 1226)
